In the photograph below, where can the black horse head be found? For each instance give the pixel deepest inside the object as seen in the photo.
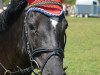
(38, 37)
(45, 40)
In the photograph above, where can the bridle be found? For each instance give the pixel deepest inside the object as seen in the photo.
(33, 52)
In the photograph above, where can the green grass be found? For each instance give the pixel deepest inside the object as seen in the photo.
(82, 52)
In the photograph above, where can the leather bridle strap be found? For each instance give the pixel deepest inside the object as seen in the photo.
(53, 52)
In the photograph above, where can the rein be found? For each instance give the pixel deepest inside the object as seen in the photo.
(19, 72)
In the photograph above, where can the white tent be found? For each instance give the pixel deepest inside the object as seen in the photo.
(87, 2)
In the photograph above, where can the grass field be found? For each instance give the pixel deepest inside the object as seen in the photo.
(82, 52)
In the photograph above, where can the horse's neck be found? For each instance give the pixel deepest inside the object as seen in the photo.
(12, 36)
(10, 39)
(9, 45)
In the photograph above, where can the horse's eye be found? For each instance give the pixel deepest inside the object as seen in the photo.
(31, 27)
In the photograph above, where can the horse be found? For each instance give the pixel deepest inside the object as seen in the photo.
(32, 41)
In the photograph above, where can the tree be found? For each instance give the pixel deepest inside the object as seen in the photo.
(5, 2)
